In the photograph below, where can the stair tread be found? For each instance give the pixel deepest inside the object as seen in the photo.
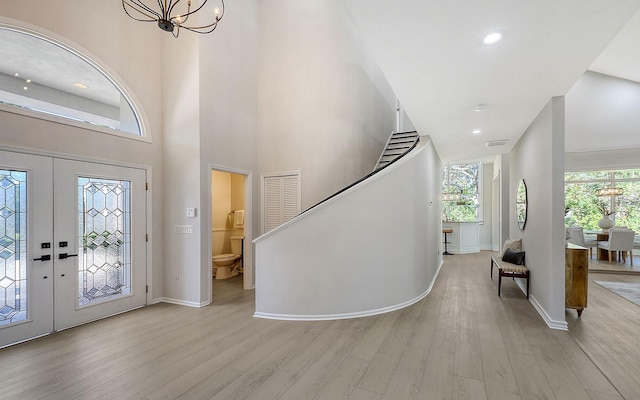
(398, 145)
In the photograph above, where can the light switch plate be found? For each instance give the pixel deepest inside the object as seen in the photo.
(191, 212)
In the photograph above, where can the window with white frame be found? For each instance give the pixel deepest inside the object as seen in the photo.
(461, 192)
(584, 207)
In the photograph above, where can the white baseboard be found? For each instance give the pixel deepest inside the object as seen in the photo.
(180, 302)
(559, 325)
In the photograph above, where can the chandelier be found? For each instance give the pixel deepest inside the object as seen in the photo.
(171, 20)
(611, 191)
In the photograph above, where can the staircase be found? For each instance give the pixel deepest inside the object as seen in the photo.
(399, 144)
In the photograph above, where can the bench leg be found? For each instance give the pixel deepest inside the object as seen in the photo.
(527, 285)
(499, 282)
(492, 268)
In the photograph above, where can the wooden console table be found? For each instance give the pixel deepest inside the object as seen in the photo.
(576, 271)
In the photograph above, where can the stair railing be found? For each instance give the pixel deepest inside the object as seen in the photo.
(415, 138)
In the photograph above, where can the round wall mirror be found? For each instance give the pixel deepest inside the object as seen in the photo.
(521, 204)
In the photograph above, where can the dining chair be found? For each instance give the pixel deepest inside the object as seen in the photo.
(619, 240)
(577, 236)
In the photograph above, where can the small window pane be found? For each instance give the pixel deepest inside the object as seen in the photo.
(627, 174)
(42, 76)
(13, 247)
(588, 176)
(104, 262)
(628, 206)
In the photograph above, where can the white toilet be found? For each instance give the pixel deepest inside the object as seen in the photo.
(228, 265)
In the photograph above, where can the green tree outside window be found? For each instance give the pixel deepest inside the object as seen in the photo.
(584, 208)
(460, 188)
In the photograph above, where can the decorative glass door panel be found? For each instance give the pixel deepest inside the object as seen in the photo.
(26, 228)
(13, 247)
(104, 235)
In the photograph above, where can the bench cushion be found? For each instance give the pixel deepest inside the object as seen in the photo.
(511, 244)
(513, 256)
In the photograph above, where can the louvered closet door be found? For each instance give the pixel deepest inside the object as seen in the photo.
(281, 194)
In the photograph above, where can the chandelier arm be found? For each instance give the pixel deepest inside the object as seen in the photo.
(142, 8)
(165, 8)
(196, 10)
(179, 19)
(136, 7)
(182, 18)
(198, 29)
(202, 5)
(170, 7)
(213, 24)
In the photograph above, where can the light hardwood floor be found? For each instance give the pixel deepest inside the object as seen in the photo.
(461, 342)
(615, 266)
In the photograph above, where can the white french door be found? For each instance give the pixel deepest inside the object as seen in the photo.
(72, 243)
(100, 241)
(26, 264)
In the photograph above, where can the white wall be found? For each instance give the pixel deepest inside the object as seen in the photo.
(538, 158)
(501, 204)
(228, 112)
(127, 50)
(602, 114)
(602, 123)
(181, 153)
(603, 160)
(371, 249)
(324, 107)
(485, 228)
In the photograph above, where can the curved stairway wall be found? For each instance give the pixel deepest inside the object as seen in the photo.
(371, 249)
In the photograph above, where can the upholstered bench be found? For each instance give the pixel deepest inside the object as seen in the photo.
(509, 270)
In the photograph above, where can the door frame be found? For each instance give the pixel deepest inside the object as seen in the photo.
(149, 195)
(247, 247)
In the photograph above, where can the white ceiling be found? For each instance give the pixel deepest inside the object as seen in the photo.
(432, 55)
(49, 65)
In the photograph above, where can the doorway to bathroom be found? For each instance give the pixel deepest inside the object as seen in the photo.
(231, 266)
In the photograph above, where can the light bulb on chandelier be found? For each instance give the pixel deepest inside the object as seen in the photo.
(171, 20)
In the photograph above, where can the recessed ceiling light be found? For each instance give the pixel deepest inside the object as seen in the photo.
(16, 74)
(480, 107)
(25, 88)
(492, 38)
(477, 131)
(28, 80)
(80, 85)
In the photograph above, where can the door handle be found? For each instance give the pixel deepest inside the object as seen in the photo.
(63, 256)
(46, 257)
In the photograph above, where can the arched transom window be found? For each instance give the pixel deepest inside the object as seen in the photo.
(45, 78)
